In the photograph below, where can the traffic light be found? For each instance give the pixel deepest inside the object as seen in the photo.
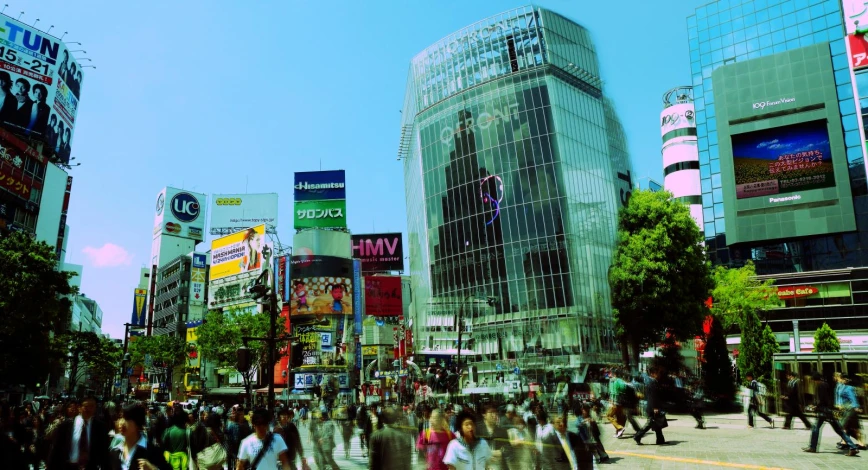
(243, 364)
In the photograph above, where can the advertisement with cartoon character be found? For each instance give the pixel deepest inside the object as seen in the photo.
(321, 285)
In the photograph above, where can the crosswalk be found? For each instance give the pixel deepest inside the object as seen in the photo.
(354, 459)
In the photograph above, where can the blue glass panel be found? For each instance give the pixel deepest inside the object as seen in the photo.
(726, 41)
(754, 55)
(838, 47)
(720, 224)
(738, 36)
(852, 138)
(791, 33)
(833, 19)
(737, 23)
(702, 12)
(780, 48)
(842, 76)
(817, 10)
(709, 110)
(712, 9)
(751, 32)
(725, 16)
(749, 20)
(709, 229)
(704, 48)
(718, 211)
(835, 32)
(728, 52)
(725, 28)
(767, 51)
(762, 16)
(701, 129)
(818, 24)
(691, 21)
(778, 37)
(787, 7)
(747, 7)
(717, 55)
(697, 79)
(740, 48)
(706, 199)
(775, 11)
(713, 151)
(702, 143)
(794, 44)
(695, 66)
(801, 4)
(717, 194)
(704, 171)
(715, 44)
(777, 24)
(805, 29)
(712, 137)
(708, 214)
(846, 91)
(840, 62)
(705, 59)
(712, 125)
(803, 15)
(764, 28)
(713, 20)
(832, 6)
(765, 40)
(753, 45)
(702, 24)
(761, 4)
(692, 33)
(822, 36)
(854, 153)
(703, 158)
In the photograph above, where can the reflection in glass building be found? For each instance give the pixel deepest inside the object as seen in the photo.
(515, 167)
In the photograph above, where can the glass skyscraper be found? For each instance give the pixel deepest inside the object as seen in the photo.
(731, 31)
(515, 166)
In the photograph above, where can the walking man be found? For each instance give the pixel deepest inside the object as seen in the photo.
(652, 408)
(263, 449)
(753, 407)
(389, 447)
(823, 406)
(793, 402)
(848, 404)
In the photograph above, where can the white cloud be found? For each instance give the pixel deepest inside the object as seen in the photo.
(107, 256)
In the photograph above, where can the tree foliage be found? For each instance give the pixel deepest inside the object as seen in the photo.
(717, 371)
(826, 340)
(668, 359)
(659, 275)
(90, 355)
(32, 306)
(757, 349)
(165, 351)
(738, 295)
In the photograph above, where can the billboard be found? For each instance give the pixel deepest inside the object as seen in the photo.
(238, 253)
(197, 279)
(321, 285)
(783, 159)
(383, 296)
(140, 307)
(179, 213)
(379, 252)
(679, 116)
(234, 212)
(320, 185)
(13, 154)
(41, 83)
(321, 214)
(322, 242)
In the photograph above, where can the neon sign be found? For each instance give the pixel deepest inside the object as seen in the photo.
(489, 199)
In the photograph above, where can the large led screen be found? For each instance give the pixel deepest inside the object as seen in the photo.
(782, 160)
(321, 285)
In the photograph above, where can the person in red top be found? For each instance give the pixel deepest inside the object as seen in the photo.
(434, 440)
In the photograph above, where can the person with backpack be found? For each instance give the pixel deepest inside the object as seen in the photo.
(262, 450)
(754, 403)
(824, 406)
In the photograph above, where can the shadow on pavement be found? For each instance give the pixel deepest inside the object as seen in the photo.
(671, 443)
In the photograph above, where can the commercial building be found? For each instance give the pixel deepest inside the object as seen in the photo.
(515, 166)
(782, 157)
(680, 153)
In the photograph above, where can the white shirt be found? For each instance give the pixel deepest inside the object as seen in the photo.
(251, 445)
(77, 425)
(125, 461)
(460, 457)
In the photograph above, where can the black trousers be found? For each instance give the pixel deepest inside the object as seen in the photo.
(796, 412)
(649, 425)
(753, 409)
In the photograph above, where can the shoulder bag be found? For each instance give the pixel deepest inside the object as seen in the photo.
(212, 457)
(266, 444)
(660, 421)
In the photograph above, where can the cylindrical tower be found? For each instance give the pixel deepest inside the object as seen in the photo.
(680, 152)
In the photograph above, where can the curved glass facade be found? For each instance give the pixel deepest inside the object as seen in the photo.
(515, 167)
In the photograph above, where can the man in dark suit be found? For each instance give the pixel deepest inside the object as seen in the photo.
(81, 442)
(23, 105)
(389, 448)
(793, 402)
(39, 111)
(496, 436)
(8, 104)
(652, 407)
(560, 449)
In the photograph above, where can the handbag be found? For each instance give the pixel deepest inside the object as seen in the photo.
(659, 420)
(212, 457)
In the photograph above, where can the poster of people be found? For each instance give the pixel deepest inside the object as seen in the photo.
(321, 285)
(782, 160)
(40, 83)
(241, 252)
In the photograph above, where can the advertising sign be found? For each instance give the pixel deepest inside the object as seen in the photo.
(234, 212)
(383, 296)
(675, 117)
(197, 279)
(238, 253)
(321, 285)
(855, 15)
(179, 213)
(379, 252)
(13, 153)
(140, 306)
(311, 380)
(320, 185)
(322, 242)
(793, 292)
(357, 298)
(321, 214)
(783, 160)
(41, 74)
(858, 51)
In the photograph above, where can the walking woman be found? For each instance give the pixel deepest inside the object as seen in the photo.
(434, 439)
(135, 452)
(468, 451)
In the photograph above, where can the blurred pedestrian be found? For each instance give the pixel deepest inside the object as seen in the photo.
(823, 405)
(135, 452)
(653, 406)
(433, 440)
(560, 449)
(754, 406)
(522, 445)
(496, 436)
(589, 433)
(175, 441)
(363, 421)
(262, 450)
(696, 403)
(82, 442)
(389, 447)
(793, 402)
(236, 431)
(323, 435)
(289, 431)
(848, 405)
(467, 452)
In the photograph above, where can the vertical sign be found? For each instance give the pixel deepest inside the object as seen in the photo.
(197, 279)
(358, 355)
(357, 294)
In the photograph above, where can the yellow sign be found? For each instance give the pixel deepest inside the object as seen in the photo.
(369, 350)
(238, 253)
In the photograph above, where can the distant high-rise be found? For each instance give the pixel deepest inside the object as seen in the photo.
(680, 154)
(515, 167)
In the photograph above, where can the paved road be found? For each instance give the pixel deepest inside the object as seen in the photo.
(727, 443)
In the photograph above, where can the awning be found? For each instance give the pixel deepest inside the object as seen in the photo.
(264, 390)
(226, 391)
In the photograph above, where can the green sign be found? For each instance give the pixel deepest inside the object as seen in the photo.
(320, 214)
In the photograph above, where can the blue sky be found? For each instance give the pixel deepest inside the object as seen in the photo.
(235, 96)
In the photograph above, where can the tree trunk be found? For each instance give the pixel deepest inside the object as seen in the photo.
(634, 342)
(625, 352)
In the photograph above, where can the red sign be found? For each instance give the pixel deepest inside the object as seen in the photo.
(383, 296)
(858, 51)
(793, 292)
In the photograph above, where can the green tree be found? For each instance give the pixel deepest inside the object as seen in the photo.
(659, 275)
(757, 348)
(668, 358)
(738, 295)
(220, 336)
(165, 351)
(33, 307)
(826, 340)
(717, 369)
